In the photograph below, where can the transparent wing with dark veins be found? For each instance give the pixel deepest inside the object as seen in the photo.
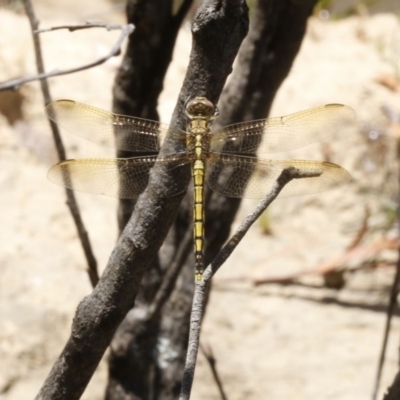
(283, 133)
(108, 129)
(239, 176)
(125, 178)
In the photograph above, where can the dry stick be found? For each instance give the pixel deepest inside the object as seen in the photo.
(71, 201)
(208, 354)
(391, 306)
(201, 287)
(126, 30)
(86, 25)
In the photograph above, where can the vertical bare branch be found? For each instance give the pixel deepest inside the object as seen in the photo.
(71, 200)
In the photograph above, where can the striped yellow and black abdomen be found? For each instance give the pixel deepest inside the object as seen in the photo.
(198, 216)
(200, 112)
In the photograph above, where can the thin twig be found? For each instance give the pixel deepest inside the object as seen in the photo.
(14, 84)
(71, 201)
(86, 25)
(212, 362)
(201, 287)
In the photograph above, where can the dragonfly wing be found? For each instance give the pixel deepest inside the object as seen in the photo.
(124, 178)
(108, 129)
(239, 176)
(283, 133)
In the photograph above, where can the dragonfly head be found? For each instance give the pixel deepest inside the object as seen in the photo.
(200, 107)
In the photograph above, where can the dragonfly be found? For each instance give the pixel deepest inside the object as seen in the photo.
(227, 159)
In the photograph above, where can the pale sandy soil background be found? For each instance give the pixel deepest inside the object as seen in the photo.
(271, 342)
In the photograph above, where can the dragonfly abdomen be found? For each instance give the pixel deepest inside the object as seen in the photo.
(200, 112)
(198, 216)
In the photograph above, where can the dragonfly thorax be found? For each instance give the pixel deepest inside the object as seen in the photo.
(198, 144)
(201, 113)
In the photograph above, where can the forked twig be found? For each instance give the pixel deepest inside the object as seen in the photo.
(201, 287)
(71, 201)
(126, 30)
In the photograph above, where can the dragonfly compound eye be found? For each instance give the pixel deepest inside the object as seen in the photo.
(200, 107)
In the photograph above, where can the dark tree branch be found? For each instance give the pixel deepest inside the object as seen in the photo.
(218, 30)
(126, 30)
(71, 200)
